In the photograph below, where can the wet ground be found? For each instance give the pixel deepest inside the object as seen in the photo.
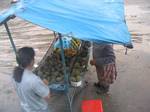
(130, 92)
(24, 34)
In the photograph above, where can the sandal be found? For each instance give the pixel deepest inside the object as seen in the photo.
(102, 91)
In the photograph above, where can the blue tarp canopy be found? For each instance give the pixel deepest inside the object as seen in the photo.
(93, 20)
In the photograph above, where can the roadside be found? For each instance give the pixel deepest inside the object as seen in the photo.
(130, 93)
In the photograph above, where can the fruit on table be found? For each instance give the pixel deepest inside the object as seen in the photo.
(59, 78)
(76, 78)
(55, 73)
(70, 52)
(75, 72)
(77, 65)
(52, 67)
(75, 43)
(73, 79)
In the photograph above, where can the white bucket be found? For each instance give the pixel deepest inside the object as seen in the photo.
(76, 84)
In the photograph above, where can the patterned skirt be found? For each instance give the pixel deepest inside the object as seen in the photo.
(106, 74)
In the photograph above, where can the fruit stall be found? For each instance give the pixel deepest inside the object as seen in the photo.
(64, 65)
(86, 20)
(76, 54)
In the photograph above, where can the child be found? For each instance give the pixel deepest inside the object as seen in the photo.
(32, 91)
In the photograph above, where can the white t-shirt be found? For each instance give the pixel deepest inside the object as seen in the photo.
(31, 91)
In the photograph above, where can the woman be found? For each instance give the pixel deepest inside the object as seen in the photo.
(32, 91)
(104, 61)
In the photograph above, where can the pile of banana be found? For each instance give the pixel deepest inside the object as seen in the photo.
(72, 50)
(75, 43)
(69, 52)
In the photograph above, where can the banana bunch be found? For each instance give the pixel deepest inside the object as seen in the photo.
(75, 43)
(70, 52)
(75, 76)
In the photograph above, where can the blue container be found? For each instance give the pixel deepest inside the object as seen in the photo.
(58, 88)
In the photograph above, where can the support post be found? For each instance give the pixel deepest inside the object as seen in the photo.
(63, 61)
(10, 37)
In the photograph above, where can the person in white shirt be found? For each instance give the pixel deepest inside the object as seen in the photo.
(32, 91)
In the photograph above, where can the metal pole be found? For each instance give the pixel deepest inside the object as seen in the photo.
(10, 37)
(65, 72)
(63, 61)
(70, 102)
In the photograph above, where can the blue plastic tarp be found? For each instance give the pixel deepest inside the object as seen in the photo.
(93, 20)
(66, 43)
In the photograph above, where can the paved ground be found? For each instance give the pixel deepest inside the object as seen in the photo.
(130, 92)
